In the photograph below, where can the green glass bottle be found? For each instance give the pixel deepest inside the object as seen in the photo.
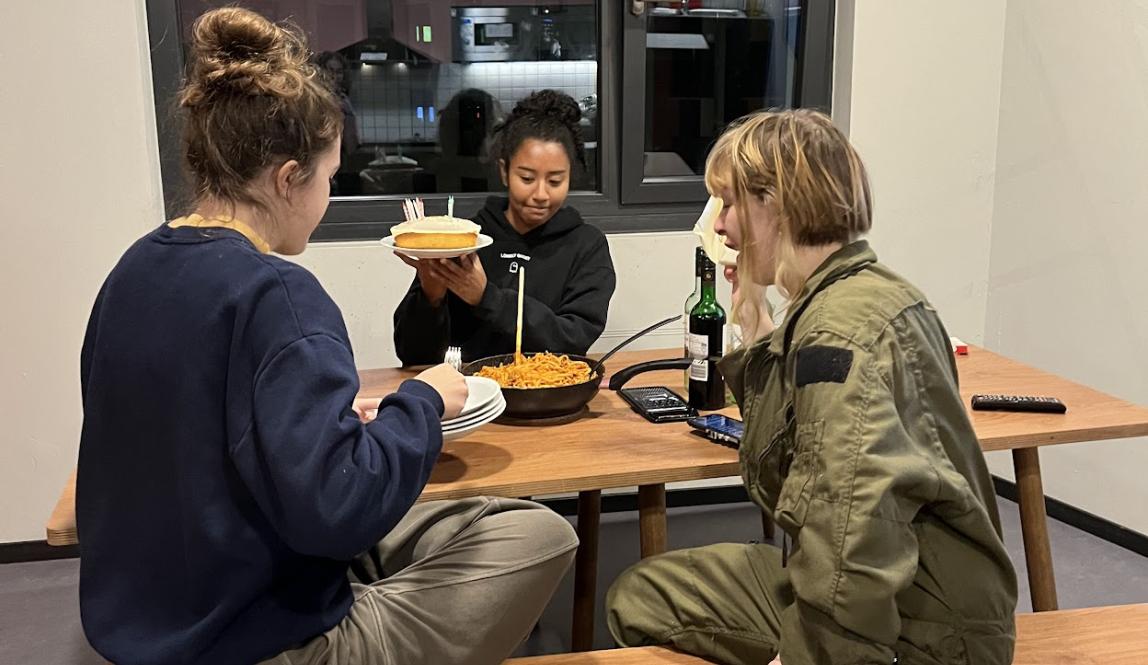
(699, 258)
(707, 341)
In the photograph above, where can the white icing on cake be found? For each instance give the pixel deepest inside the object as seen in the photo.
(437, 224)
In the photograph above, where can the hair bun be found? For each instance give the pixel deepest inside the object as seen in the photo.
(237, 50)
(547, 115)
(551, 103)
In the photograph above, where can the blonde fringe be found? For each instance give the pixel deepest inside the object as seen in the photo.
(812, 179)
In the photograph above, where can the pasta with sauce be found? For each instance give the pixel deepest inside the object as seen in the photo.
(543, 370)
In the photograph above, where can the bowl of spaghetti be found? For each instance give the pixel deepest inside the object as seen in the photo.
(540, 385)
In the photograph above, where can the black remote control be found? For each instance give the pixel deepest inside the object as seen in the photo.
(1018, 403)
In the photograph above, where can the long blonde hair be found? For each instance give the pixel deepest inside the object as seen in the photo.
(811, 179)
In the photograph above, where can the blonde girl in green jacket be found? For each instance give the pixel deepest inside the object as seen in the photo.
(856, 441)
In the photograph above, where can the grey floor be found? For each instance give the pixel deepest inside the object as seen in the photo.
(39, 616)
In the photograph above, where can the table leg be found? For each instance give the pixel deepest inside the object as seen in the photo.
(586, 570)
(767, 530)
(1034, 529)
(652, 519)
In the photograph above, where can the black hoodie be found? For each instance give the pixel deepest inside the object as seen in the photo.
(569, 282)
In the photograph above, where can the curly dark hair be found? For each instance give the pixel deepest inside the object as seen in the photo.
(546, 115)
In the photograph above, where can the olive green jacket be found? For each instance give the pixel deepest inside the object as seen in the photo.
(858, 443)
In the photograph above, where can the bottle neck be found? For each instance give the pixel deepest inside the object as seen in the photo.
(699, 268)
(708, 286)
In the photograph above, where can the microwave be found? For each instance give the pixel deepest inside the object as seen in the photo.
(494, 34)
(503, 34)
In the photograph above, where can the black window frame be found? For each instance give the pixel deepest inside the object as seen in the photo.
(370, 218)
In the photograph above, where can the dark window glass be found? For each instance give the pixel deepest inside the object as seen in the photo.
(423, 83)
(709, 62)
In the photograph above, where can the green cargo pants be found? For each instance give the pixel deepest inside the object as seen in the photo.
(455, 583)
(724, 603)
(721, 602)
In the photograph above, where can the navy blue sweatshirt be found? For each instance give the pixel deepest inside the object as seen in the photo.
(224, 479)
(569, 283)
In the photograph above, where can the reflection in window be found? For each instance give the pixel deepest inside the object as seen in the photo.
(708, 63)
(422, 84)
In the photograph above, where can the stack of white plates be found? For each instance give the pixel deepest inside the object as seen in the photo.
(484, 403)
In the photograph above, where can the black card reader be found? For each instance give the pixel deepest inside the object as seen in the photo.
(658, 404)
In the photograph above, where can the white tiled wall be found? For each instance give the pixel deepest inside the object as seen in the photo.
(386, 96)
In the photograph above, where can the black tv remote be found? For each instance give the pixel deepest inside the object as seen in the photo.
(1018, 403)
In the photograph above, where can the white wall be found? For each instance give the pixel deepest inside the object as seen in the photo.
(1068, 272)
(923, 114)
(79, 180)
(655, 274)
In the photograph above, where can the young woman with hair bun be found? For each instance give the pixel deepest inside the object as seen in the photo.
(236, 502)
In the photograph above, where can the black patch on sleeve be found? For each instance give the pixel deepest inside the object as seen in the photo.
(823, 364)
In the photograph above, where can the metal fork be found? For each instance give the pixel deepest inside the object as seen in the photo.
(454, 357)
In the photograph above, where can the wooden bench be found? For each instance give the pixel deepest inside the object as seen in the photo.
(1094, 636)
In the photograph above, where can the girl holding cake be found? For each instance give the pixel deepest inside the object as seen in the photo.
(471, 301)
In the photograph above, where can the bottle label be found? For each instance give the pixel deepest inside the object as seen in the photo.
(699, 354)
(699, 346)
(699, 370)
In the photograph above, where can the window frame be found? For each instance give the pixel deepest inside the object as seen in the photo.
(370, 218)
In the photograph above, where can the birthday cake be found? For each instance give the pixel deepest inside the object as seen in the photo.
(440, 232)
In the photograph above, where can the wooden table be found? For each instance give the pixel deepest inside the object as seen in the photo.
(613, 447)
(607, 446)
(610, 446)
(1092, 416)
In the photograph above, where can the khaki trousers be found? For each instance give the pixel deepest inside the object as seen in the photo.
(455, 582)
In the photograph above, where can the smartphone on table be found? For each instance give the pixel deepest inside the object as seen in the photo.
(719, 429)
